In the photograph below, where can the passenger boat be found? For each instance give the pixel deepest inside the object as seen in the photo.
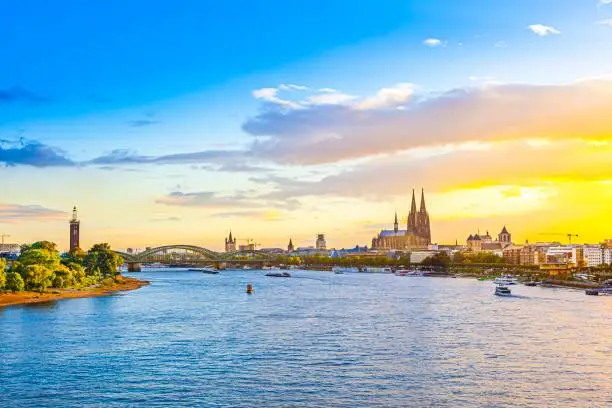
(344, 269)
(505, 280)
(279, 274)
(502, 290)
(531, 283)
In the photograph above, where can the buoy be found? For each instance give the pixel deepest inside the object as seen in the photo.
(249, 288)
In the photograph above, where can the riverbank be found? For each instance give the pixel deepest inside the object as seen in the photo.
(122, 285)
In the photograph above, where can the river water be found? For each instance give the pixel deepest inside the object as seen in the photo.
(316, 340)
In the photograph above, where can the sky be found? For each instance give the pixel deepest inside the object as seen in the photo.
(176, 122)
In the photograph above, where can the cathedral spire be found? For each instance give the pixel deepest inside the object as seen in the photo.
(395, 225)
(413, 206)
(423, 209)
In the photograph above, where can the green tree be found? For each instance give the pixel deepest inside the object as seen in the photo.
(102, 261)
(440, 260)
(2, 273)
(14, 282)
(46, 245)
(76, 256)
(37, 277)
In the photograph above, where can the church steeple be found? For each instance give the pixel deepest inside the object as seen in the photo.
(412, 216)
(423, 209)
(290, 246)
(395, 224)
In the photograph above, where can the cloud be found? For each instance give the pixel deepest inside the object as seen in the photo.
(270, 95)
(11, 213)
(495, 112)
(143, 122)
(214, 200)
(293, 87)
(604, 2)
(32, 153)
(543, 30)
(17, 94)
(606, 22)
(330, 98)
(163, 219)
(432, 42)
(456, 167)
(388, 97)
(122, 157)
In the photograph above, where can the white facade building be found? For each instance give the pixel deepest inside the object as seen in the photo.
(593, 255)
(607, 256)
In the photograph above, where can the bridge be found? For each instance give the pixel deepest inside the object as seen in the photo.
(192, 255)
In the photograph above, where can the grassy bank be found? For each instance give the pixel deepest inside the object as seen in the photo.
(122, 284)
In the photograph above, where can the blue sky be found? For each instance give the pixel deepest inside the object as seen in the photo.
(111, 91)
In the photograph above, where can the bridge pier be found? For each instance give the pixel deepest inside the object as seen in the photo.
(134, 267)
(220, 265)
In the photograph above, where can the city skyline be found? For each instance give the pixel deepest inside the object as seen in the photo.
(175, 126)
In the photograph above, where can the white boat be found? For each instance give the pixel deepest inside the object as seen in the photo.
(339, 270)
(370, 269)
(408, 272)
(502, 290)
(505, 280)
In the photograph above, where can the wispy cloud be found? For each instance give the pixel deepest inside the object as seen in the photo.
(543, 30)
(18, 94)
(32, 153)
(143, 122)
(216, 201)
(607, 22)
(11, 213)
(604, 2)
(433, 42)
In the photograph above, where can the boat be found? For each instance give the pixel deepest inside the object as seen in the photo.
(502, 290)
(339, 270)
(531, 283)
(209, 271)
(279, 274)
(505, 280)
(370, 269)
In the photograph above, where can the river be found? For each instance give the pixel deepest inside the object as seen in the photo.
(317, 340)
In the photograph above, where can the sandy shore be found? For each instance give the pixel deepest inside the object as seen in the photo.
(122, 285)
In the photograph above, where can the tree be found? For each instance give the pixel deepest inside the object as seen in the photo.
(46, 245)
(37, 277)
(75, 256)
(102, 261)
(2, 274)
(14, 282)
(440, 260)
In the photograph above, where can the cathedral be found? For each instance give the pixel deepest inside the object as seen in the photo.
(416, 236)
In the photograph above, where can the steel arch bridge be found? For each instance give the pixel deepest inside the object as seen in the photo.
(191, 254)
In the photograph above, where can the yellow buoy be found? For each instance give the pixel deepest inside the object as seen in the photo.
(249, 289)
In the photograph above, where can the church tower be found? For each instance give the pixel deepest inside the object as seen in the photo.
(412, 217)
(395, 224)
(424, 229)
(290, 246)
(230, 243)
(74, 230)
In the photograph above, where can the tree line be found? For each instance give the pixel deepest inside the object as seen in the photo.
(40, 266)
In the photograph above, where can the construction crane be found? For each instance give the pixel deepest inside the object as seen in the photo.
(569, 235)
(4, 236)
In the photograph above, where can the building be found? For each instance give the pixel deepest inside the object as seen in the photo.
(244, 248)
(607, 255)
(321, 245)
(417, 234)
(479, 243)
(512, 254)
(593, 255)
(504, 237)
(75, 233)
(290, 247)
(230, 243)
